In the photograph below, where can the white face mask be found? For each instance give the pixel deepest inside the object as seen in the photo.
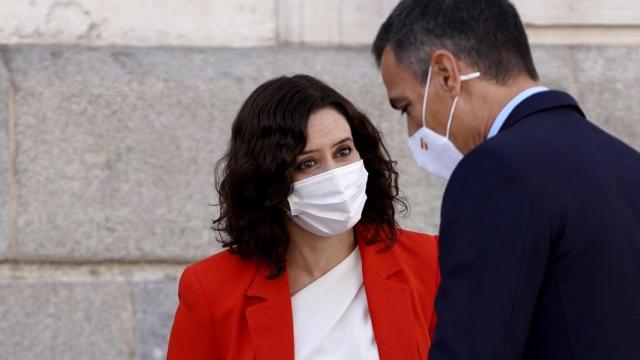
(439, 156)
(330, 203)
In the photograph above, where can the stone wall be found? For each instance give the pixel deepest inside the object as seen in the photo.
(271, 22)
(108, 138)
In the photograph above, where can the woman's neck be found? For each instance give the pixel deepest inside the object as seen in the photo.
(310, 256)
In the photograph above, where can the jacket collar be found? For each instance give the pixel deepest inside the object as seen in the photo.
(543, 101)
(390, 304)
(269, 312)
(269, 316)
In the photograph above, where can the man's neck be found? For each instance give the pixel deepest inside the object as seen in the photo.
(499, 96)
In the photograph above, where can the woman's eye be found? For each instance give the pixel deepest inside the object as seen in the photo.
(344, 152)
(305, 164)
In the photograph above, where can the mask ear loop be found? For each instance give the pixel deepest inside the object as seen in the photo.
(453, 108)
(470, 76)
(455, 101)
(424, 99)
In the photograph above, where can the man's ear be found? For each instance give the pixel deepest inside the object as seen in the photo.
(445, 71)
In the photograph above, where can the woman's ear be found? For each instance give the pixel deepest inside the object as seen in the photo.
(445, 71)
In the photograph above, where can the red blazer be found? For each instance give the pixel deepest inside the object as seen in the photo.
(229, 310)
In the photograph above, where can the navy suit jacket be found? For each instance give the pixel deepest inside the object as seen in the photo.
(540, 242)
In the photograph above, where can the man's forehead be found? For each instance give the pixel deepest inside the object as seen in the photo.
(388, 61)
(391, 68)
(397, 77)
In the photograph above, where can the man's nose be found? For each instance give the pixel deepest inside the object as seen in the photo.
(412, 126)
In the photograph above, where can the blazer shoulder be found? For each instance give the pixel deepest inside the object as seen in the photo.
(543, 138)
(221, 261)
(223, 276)
(418, 251)
(417, 243)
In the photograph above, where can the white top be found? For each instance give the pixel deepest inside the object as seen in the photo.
(331, 317)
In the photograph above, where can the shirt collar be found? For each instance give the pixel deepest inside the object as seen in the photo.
(504, 114)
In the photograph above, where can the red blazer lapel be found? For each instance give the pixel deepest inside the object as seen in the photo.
(390, 305)
(270, 317)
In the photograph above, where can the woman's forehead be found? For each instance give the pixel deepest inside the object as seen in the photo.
(325, 128)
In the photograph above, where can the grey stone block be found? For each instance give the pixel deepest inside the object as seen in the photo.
(604, 80)
(117, 145)
(116, 153)
(609, 89)
(5, 182)
(155, 303)
(62, 320)
(556, 68)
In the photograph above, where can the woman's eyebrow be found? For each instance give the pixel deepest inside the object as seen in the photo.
(345, 140)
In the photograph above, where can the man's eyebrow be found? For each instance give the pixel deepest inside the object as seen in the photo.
(347, 139)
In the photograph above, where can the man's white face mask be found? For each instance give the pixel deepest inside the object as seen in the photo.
(438, 155)
(332, 202)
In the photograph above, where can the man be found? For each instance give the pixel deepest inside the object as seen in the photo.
(540, 231)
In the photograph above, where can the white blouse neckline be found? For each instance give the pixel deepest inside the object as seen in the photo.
(331, 317)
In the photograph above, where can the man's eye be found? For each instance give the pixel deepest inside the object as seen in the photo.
(344, 152)
(305, 164)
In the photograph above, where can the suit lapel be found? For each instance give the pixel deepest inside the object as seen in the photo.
(390, 305)
(540, 102)
(269, 317)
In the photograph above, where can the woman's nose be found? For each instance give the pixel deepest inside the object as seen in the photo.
(330, 164)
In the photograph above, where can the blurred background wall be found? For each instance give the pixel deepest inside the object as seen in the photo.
(112, 114)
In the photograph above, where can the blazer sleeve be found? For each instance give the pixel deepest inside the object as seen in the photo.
(494, 246)
(432, 324)
(192, 332)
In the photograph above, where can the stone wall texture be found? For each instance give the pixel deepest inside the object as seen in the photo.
(271, 22)
(110, 129)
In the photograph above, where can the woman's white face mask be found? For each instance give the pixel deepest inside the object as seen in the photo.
(330, 203)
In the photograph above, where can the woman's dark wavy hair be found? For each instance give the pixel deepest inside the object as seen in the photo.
(255, 176)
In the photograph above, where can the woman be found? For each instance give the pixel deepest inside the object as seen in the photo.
(316, 266)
